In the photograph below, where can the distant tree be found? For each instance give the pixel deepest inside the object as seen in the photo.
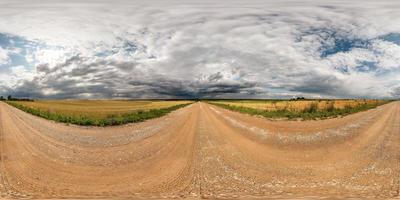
(2, 98)
(9, 97)
(297, 98)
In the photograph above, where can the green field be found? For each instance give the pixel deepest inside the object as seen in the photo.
(98, 112)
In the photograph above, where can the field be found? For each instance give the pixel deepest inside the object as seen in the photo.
(199, 151)
(299, 109)
(98, 112)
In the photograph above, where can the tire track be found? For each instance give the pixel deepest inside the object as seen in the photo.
(340, 168)
(202, 151)
(44, 167)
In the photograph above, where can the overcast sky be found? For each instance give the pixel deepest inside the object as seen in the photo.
(189, 49)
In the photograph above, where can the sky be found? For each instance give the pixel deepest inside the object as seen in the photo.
(199, 49)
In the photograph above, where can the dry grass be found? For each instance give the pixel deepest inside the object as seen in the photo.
(97, 109)
(300, 105)
(299, 109)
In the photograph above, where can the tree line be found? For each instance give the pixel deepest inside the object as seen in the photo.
(11, 98)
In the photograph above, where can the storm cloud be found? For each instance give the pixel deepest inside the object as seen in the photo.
(207, 49)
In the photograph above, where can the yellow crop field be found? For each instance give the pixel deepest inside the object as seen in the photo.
(97, 108)
(299, 105)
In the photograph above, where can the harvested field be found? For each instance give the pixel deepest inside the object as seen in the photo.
(97, 108)
(299, 105)
(98, 113)
(299, 109)
(202, 151)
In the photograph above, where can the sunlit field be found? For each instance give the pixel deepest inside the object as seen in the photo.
(98, 112)
(97, 108)
(305, 109)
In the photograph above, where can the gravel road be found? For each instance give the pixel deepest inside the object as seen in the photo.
(202, 151)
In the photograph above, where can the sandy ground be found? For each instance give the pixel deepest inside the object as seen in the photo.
(202, 151)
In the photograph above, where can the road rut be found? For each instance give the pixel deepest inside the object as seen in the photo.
(202, 151)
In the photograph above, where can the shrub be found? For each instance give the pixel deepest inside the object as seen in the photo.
(330, 107)
(313, 107)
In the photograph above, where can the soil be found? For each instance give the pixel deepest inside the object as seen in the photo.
(202, 151)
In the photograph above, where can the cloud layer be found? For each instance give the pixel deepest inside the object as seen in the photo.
(229, 49)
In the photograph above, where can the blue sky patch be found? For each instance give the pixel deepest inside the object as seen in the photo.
(18, 48)
(367, 66)
(129, 46)
(333, 42)
(392, 37)
(343, 45)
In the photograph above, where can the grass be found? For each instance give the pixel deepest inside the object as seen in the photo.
(117, 112)
(305, 109)
(99, 113)
(98, 108)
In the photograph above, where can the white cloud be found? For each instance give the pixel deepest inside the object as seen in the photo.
(388, 54)
(4, 59)
(257, 48)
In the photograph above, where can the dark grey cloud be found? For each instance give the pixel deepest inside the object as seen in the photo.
(396, 92)
(321, 84)
(196, 89)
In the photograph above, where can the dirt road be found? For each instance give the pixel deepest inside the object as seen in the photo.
(202, 151)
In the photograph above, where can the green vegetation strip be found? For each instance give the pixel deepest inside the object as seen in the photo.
(308, 114)
(112, 120)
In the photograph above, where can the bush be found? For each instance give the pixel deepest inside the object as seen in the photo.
(331, 106)
(313, 107)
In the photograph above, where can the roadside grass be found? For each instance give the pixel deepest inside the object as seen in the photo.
(311, 112)
(109, 120)
(98, 108)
